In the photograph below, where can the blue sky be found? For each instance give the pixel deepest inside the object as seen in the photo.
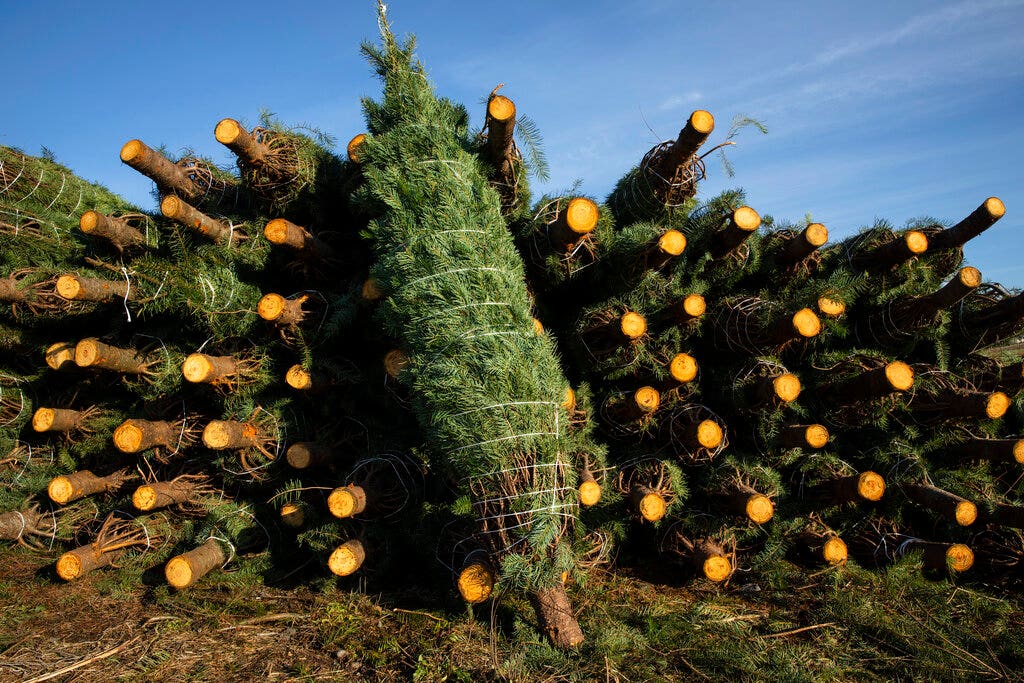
(875, 109)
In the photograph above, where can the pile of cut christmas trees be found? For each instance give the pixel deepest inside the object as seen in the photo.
(356, 360)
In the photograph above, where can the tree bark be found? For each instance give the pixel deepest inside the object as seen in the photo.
(114, 230)
(187, 215)
(168, 176)
(232, 135)
(135, 436)
(77, 563)
(742, 224)
(75, 288)
(92, 353)
(979, 220)
(185, 569)
(555, 616)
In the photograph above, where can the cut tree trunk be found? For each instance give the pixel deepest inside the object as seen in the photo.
(803, 245)
(187, 215)
(347, 501)
(280, 311)
(203, 369)
(284, 233)
(185, 569)
(347, 558)
(307, 454)
(898, 250)
(92, 353)
(742, 224)
(866, 486)
(70, 487)
(555, 616)
(230, 434)
(162, 494)
(577, 220)
(168, 176)
(135, 436)
(696, 131)
(871, 384)
(232, 135)
(75, 288)
(77, 563)
(949, 505)
(114, 230)
(804, 436)
(981, 219)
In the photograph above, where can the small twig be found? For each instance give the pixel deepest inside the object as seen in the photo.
(85, 662)
(783, 634)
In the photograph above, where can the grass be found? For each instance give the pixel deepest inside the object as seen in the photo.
(842, 624)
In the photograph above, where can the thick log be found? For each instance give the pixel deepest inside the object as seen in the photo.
(822, 548)
(711, 561)
(893, 377)
(665, 249)
(353, 148)
(203, 369)
(75, 288)
(949, 505)
(347, 501)
(804, 324)
(682, 312)
(305, 454)
(742, 224)
(76, 563)
(168, 176)
(162, 494)
(942, 557)
(981, 219)
(501, 123)
(894, 252)
(649, 504)
(347, 558)
(866, 486)
(232, 135)
(185, 569)
(803, 245)
(696, 131)
(476, 582)
(229, 434)
(57, 419)
(135, 436)
(114, 230)
(555, 616)
(70, 487)
(769, 392)
(682, 369)
(642, 403)
(61, 356)
(747, 502)
(187, 215)
(92, 353)
(589, 490)
(283, 232)
(998, 450)
(804, 436)
(280, 311)
(574, 222)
